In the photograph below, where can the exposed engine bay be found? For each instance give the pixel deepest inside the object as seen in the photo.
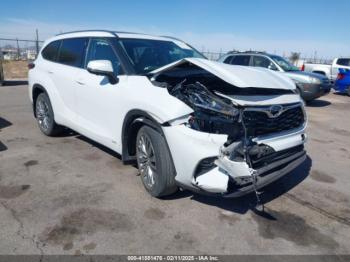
(211, 113)
(211, 98)
(243, 160)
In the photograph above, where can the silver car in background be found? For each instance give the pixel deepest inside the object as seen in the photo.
(310, 85)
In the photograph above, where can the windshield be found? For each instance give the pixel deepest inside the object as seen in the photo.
(147, 55)
(284, 64)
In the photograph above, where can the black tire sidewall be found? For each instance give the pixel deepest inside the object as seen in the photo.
(50, 131)
(164, 179)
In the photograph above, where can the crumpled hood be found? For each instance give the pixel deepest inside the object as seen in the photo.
(239, 76)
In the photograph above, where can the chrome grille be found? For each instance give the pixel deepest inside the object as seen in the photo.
(259, 121)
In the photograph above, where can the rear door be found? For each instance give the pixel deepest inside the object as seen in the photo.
(47, 67)
(70, 63)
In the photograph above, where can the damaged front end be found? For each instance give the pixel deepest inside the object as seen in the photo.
(226, 147)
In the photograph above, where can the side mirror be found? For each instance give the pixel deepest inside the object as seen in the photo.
(104, 68)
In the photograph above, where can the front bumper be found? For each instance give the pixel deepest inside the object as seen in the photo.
(189, 148)
(313, 91)
(342, 87)
(283, 166)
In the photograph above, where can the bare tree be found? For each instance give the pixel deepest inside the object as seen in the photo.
(294, 57)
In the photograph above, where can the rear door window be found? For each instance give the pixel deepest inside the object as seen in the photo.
(241, 60)
(261, 61)
(72, 51)
(50, 52)
(343, 61)
(228, 60)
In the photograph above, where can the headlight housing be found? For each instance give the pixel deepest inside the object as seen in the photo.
(314, 80)
(211, 114)
(209, 102)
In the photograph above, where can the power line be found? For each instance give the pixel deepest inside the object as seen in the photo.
(20, 40)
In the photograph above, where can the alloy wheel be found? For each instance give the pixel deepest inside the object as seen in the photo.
(146, 160)
(43, 115)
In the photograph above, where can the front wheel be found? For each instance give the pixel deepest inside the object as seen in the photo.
(154, 163)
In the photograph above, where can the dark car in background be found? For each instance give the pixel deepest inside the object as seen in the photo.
(309, 85)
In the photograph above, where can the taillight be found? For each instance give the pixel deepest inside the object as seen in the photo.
(31, 65)
(303, 67)
(340, 76)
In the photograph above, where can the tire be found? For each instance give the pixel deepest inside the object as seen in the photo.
(45, 116)
(154, 162)
(300, 92)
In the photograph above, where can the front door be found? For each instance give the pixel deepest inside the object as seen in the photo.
(98, 100)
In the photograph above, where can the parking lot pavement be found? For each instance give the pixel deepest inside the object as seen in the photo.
(68, 195)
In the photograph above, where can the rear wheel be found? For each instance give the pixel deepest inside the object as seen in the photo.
(154, 163)
(45, 116)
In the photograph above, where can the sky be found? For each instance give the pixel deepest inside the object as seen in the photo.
(311, 27)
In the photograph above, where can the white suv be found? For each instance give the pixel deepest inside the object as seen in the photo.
(186, 121)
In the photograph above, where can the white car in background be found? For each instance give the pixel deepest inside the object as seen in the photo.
(186, 121)
(331, 71)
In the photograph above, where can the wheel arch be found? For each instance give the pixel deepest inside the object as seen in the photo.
(36, 91)
(319, 72)
(133, 121)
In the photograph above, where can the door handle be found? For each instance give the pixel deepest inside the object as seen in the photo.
(50, 72)
(80, 82)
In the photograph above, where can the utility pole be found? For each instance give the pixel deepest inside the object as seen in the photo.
(37, 42)
(315, 56)
(18, 51)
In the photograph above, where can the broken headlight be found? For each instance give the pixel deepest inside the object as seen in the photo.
(212, 114)
(206, 101)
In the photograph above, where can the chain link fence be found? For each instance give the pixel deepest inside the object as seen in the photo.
(15, 54)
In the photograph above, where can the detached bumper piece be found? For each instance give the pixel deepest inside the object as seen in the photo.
(269, 169)
(230, 175)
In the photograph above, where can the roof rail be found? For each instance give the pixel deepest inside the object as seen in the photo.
(83, 31)
(171, 37)
(133, 33)
(115, 33)
(248, 51)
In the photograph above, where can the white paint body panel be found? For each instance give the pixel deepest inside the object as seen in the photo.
(189, 147)
(213, 181)
(240, 76)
